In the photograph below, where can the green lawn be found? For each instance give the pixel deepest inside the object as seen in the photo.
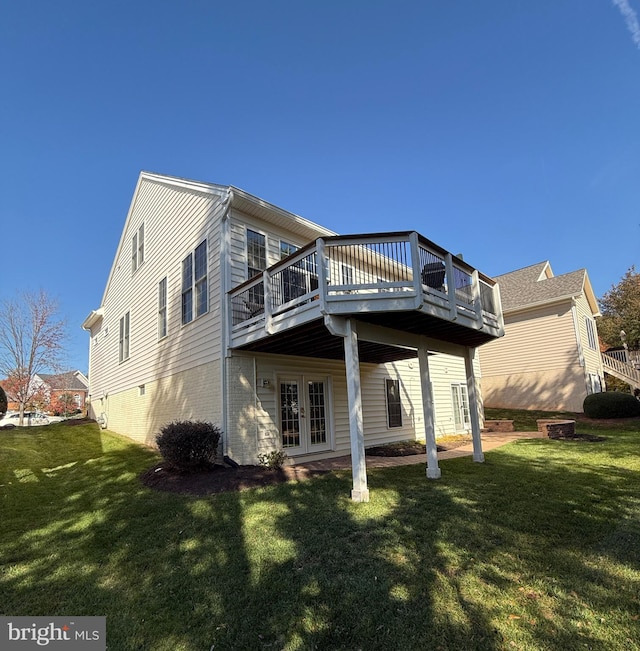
(537, 548)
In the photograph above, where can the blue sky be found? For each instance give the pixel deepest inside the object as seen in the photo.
(506, 130)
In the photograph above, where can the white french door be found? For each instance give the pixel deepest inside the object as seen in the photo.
(461, 415)
(303, 404)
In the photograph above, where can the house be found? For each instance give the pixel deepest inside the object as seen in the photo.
(549, 358)
(49, 387)
(222, 307)
(72, 383)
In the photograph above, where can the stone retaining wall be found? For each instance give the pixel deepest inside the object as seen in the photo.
(556, 429)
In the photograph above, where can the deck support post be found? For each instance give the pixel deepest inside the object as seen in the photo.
(433, 470)
(474, 405)
(360, 492)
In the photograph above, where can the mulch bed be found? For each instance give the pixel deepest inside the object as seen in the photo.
(223, 478)
(589, 438)
(220, 479)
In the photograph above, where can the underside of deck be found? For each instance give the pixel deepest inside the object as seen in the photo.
(313, 339)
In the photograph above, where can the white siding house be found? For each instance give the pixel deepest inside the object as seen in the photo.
(222, 307)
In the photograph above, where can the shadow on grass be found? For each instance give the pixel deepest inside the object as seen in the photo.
(425, 565)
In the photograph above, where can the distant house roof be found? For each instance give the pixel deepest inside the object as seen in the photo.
(70, 381)
(536, 285)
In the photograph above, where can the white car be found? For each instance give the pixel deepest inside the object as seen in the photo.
(31, 418)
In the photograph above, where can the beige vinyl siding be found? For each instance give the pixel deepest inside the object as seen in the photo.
(446, 370)
(253, 408)
(238, 243)
(176, 220)
(534, 341)
(538, 363)
(553, 390)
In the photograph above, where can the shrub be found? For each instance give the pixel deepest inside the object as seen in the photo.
(275, 459)
(611, 404)
(189, 445)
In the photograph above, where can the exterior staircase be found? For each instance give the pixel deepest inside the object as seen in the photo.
(625, 365)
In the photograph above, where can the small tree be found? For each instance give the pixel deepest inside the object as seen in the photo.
(63, 405)
(31, 342)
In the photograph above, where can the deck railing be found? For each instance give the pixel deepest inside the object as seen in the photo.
(367, 272)
(625, 370)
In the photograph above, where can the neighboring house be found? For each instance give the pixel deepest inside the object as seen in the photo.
(73, 383)
(222, 307)
(51, 386)
(549, 358)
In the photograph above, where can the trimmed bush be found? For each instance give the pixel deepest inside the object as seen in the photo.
(611, 404)
(189, 445)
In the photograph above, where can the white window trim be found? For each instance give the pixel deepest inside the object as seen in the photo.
(124, 341)
(592, 339)
(137, 249)
(246, 250)
(163, 313)
(195, 282)
(386, 398)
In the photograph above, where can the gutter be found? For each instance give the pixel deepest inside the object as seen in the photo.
(224, 304)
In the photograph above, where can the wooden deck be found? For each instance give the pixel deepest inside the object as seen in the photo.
(399, 281)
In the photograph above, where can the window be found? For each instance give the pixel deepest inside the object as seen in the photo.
(591, 333)
(287, 249)
(137, 249)
(256, 253)
(123, 347)
(256, 264)
(347, 274)
(162, 308)
(194, 284)
(394, 404)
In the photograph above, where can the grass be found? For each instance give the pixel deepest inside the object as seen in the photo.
(536, 549)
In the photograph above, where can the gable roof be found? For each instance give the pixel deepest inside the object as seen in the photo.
(232, 197)
(536, 285)
(69, 381)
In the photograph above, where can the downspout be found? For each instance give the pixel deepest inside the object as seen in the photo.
(225, 278)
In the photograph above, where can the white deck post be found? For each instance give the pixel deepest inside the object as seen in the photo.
(360, 492)
(474, 405)
(433, 470)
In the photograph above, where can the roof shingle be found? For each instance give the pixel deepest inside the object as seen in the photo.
(528, 286)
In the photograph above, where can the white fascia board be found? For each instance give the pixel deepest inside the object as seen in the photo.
(92, 319)
(207, 188)
(180, 182)
(538, 304)
(240, 195)
(590, 295)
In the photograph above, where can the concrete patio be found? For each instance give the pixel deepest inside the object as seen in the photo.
(490, 440)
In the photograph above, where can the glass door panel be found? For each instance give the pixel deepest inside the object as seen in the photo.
(290, 413)
(304, 415)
